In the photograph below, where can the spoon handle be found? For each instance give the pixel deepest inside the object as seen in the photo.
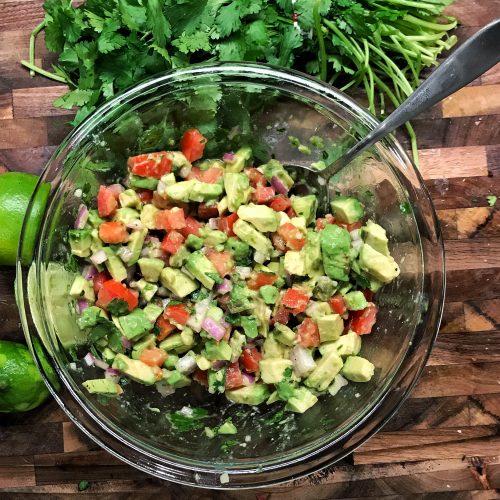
(478, 54)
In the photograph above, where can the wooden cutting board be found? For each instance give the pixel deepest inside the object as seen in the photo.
(443, 443)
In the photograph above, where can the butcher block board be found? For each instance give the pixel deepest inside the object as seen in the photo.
(443, 443)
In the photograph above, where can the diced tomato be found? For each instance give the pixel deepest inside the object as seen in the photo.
(233, 376)
(338, 305)
(308, 333)
(207, 211)
(99, 279)
(291, 212)
(111, 290)
(280, 203)
(106, 202)
(192, 227)
(263, 194)
(210, 175)
(368, 294)
(201, 376)
(296, 300)
(250, 359)
(113, 232)
(145, 195)
(165, 327)
(293, 236)
(222, 261)
(282, 315)
(349, 227)
(256, 178)
(172, 242)
(225, 224)
(278, 242)
(170, 219)
(193, 144)
(177, 313)
(153, 356)
(362, 321)
(150, 164)
(261, 279)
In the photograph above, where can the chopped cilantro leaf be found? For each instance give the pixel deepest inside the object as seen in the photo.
(491, 199)
(83, 485)
(185, 422)
(118, 307)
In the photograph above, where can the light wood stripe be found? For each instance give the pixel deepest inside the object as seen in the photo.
(6, 106)
(473, 101)
(483, 253)
(26, 132)
(38, 102)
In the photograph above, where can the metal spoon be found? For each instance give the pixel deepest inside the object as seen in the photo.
(478, 54)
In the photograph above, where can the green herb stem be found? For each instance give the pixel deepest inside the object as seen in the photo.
(33, 36)
(321, 41)
(42, 72)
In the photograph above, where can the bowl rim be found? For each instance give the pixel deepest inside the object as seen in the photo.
(393, 396)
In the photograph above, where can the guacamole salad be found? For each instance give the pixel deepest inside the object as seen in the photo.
(209, 271)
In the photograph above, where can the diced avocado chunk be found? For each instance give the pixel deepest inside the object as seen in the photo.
(171, 361)
(172, 342)
(238, 190)
(213, 237)
(102, 386)
(358, 369)
(178, 160)
(82, 289)
(346, 345)
(240, 298)
(94, 220)
(215, 351)
(148, 290)
(347, 209)
(240, 250)
(194, 242)
(301, 400)
(202, 269)
(135, 369)
(114, 265)
(284, 334)
(180, 190)
(269, 293)
(126, 215)
(108, 355)
(272, 369)
(305, 206)
(338, 382)
(375, 236)
(216, 380)
(203, 191)
(227, 428)
(264, 219)
(254, 394)
(295, 262)
(355, 301)
(324, 373)
(249, 325)
(151, 268)
(152, 312)
(382, 267)
(148, 216)
(250, 235)
(143, 182)
(324, 289)
(237, 341)
(335, 245)
(177, 380)
(312, 252)
(130, 199)
(177, 282)
(179, 258)
(80, 241)
(330, 327)
(135, 324)
(89, 317)
(135, 243)
(146, 342)
(272, 348)
(240, 158)
(274, 168)
(316, 310)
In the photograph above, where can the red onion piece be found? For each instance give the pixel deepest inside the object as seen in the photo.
(279, 185)
(89, 359)
(214, 329)
(218, 364)
(116, 189)
(225, 287)
(213, 223)
(82, 217)
(228, 156)
(164, 389)
(248, 379)
(126, 343)
(81, 305)
(302, 361)
(99, 257)
(89, 272)
(112, 374)
(101, 364)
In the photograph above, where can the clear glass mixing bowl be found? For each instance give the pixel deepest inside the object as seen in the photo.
(263, 106)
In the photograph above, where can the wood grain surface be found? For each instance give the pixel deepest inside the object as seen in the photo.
(444, 443)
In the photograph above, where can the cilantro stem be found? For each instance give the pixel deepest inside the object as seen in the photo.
(42, 72)
(321, 41)
(427, 24)
(33, 36)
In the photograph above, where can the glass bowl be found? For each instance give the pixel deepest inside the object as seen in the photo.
(235, 104)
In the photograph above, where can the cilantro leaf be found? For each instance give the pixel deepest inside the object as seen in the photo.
(184, 422)
(118, 307)
(491, 199)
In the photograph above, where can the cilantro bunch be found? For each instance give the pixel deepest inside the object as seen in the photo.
(105, 46)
